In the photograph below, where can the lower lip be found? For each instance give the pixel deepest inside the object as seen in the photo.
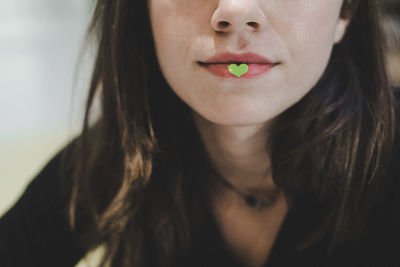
(221, 70)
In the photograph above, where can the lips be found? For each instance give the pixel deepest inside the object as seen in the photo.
(219, 63)
(230, 58)
(221, 70)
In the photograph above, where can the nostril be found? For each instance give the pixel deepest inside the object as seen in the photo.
(223, 24)
(253, 24)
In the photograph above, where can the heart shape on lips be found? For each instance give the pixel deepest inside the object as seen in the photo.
(238, 70)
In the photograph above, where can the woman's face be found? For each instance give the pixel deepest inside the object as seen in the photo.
(297, 34)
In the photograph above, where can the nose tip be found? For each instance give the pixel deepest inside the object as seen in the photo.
(238, 16)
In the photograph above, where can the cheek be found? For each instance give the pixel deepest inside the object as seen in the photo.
(309, 37)
(174, 28)
(166, 49)
(165, 29)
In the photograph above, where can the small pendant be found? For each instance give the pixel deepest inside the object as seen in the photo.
(256, 202)
(251, 200)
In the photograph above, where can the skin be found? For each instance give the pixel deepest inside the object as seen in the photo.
(248, 232)
(234, 116)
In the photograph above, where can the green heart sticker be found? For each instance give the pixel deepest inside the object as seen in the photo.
(238, 70)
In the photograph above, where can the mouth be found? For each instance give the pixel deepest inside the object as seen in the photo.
(221, 69)
(234, 62)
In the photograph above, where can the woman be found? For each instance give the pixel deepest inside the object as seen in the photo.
(231, 133)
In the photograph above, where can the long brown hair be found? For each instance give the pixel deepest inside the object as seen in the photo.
(135, 179)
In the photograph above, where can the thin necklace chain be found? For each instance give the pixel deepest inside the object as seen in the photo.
(250, 199)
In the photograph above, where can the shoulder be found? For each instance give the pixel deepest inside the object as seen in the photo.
(51, 178)
(37, 222)
(376, 246)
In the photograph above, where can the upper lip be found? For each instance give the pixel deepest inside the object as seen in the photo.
(238, 58)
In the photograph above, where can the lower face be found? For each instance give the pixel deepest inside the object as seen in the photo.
(297, 34)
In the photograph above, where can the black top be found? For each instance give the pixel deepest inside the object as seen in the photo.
(35, 232)
(377, 246)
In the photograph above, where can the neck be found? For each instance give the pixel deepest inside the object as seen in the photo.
(239, 153)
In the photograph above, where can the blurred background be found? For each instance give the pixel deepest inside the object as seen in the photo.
(43, 86)
(40, 105)
(44, 81)
(391, 25)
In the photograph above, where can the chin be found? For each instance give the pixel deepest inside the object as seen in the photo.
(237, 119)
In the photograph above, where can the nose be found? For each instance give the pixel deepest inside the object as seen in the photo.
(238, 15)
